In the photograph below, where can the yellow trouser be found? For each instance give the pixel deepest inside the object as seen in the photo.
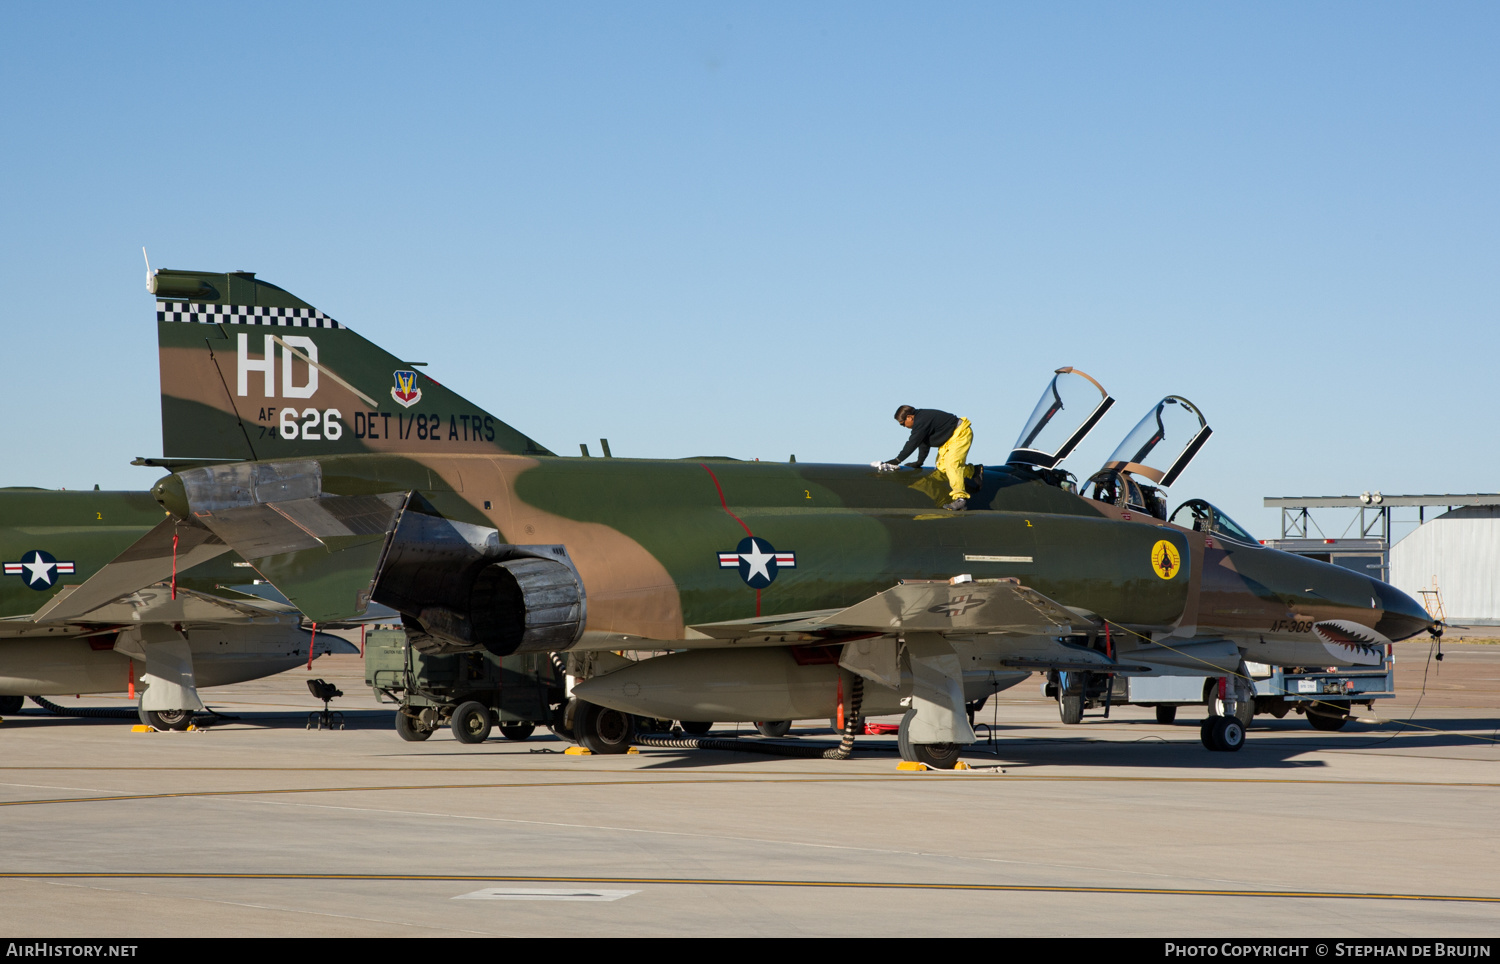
(950, 458)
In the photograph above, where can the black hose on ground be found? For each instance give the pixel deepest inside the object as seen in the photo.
(840, 752)
(84, 711)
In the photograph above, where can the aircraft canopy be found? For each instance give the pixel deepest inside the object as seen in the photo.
(1201, 516)
(1163, 443)
(1070, 407)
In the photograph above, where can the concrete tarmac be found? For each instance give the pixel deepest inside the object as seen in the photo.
(260, 827)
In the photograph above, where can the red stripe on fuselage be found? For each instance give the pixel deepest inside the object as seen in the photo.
(725, 503)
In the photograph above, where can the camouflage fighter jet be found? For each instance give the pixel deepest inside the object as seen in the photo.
(163, 640)
(345, 475)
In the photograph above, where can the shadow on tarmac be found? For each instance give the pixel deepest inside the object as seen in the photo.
(1271, 744)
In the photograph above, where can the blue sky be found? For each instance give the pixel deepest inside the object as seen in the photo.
(754, 230)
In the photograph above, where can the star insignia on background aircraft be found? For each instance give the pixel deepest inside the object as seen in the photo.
(758, 561)
(39, 569)
(405, 391)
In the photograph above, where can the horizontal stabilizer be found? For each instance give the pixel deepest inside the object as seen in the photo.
(322, 553)
(168, 548)
(329, 522)
(155, 604)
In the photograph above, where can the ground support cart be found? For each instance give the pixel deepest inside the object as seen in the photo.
(468, 692)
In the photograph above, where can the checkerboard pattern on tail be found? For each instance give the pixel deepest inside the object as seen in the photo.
(243, 315)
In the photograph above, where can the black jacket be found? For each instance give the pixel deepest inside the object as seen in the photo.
(930, 429)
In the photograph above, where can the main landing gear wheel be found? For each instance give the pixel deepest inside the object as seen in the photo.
(694, 729)
(776, 728)
(1224, 734)
(517, 731)
(409, 729)
(1166, 715)
(1070, 697)
(939, 756)
(168, 719)
(11, 705)
(1070, 708)
(602, 729)
(471, 722)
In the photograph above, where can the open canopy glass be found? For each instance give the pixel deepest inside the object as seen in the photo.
(1163, 443)
(1070, 407)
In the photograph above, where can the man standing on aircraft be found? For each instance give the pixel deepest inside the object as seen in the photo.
(950, 434)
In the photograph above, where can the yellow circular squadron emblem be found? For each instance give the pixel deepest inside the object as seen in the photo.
(1165, 559)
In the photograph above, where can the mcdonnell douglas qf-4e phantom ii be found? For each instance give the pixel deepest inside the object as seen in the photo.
(208, 628)
(345, 475)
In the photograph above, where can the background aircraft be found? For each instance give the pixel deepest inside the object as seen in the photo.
(789, 590)
(142, 641)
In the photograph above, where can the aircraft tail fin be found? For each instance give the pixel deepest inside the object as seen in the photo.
(251, 371)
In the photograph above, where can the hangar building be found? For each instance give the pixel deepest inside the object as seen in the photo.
(1457, 551)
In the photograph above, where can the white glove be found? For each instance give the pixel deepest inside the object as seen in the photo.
(885, 466)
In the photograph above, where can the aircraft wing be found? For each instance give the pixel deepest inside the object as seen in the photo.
(928, 606)
(1025, 629)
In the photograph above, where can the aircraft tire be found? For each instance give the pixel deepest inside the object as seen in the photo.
(774, 729)
(471, 722)
(408, 729)
(1227, 734)
(602, 729)
(517, 731)
(1070, 708)
(939, 756)
(169, 719)
(693, 728)
(1205, 733)
(1327, 721)
(1166, 715)
(11, 705)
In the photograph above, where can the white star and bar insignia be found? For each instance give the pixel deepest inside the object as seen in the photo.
(39, 569)
(758, 561)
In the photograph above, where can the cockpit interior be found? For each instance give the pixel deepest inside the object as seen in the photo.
(1151, 457)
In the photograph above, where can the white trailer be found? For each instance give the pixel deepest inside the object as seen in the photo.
(1325, 696)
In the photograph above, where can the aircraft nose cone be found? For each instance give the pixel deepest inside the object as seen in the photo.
(1403, 616)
